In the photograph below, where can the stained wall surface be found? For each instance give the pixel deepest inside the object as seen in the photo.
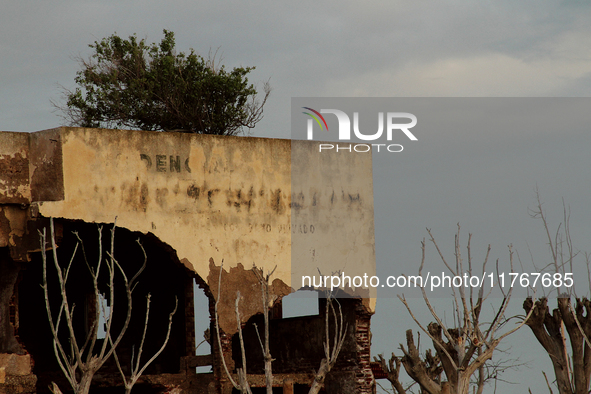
(239, 200)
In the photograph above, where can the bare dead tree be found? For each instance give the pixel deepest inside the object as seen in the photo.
(242, 384)
(136, 370)
(572, 367)
(79, 363)
(460, 353)
(392, 367)
(332, 343)
(268, 300)
(54, 388)
(331, 350)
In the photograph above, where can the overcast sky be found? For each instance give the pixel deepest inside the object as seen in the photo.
(366, 49)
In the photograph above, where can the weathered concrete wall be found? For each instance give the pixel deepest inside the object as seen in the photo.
(242, 201)
(15, 191)
(209, 199)
(30, 170)
(219, 198)
(14, 168)
(30, 167)
(332, 214)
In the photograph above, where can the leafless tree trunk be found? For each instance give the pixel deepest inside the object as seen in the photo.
(268, 301)
(331, 351)
(242, 384)
(392, 369)
(572, 369)
(80, 363)
(332, 347)
(461, 353)
(136, 371)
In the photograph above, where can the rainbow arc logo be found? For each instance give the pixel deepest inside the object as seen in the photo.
(314, 116)
(388, 124)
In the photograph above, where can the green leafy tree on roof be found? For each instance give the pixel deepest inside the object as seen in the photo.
(134, 85)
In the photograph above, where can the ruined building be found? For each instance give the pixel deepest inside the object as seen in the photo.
(193, 201)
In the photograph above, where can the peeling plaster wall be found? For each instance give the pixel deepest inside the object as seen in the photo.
(207, 197)
(15, 190)
(233, 199)
(14, 168)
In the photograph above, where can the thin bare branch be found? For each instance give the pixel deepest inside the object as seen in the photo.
(136, 371)
(82, 363)
(466, 349)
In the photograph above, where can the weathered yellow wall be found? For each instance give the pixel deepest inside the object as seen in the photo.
(332, 193)
(218, 200)
(242, 200)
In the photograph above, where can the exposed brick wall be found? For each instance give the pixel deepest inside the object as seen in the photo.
(9, 271)
(222, 383)
(364, 376)
(15, 374)
(296, 344)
